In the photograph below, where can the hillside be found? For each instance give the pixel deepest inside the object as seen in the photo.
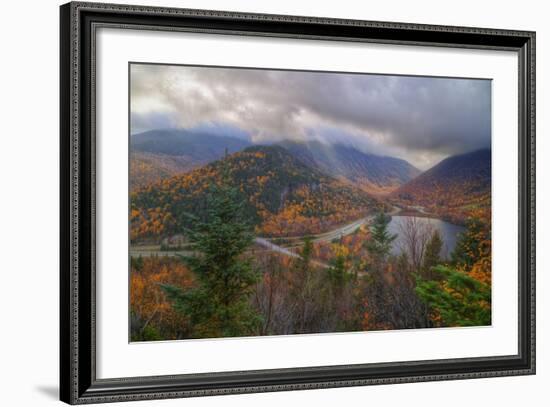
(373, 173)
(284, 197)
(149, 168)
(159, 154)
(457, 187)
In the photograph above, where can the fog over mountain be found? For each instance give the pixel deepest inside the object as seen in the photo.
(419, 119)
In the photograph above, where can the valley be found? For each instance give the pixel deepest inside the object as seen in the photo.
(305, 215)
(287, 201)
(291, 190)
(456, 188)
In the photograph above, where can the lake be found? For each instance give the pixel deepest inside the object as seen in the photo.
(448, 232)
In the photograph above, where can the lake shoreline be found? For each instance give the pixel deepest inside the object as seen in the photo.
(416, 213)
(449, 231)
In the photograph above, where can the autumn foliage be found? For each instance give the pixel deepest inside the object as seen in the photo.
(221, 281)
(283, 197)
(152, 314)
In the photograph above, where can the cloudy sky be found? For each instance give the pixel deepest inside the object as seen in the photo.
(420, 119)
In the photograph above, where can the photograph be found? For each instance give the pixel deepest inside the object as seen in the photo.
(280, 202)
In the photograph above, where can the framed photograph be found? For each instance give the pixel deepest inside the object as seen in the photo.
(255, 203)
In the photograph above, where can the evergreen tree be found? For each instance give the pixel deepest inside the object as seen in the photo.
(137, 263)
(379, 246)
(337, 272)
(307, 293)
(431, 255)
(470, 244)
(302, 264)
(219, 304)
(302, 288)
(456, 300)
(391, 299)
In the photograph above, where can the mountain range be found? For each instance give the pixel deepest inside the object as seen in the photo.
(373, 173)
(178, 142)
(160, 154)
(292, 188)
(455, 188)
(282, 195)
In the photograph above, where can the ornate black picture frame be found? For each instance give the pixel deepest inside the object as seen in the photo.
(78, 380)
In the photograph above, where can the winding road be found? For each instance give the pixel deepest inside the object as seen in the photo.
(323, 237)
(283, 250)
(270, 245)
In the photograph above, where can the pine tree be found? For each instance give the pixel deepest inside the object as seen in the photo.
(431, 255)
(457, 299)
(305, 291)
(137, 263)
(302, 264)
(379, 246)
(337, 272)
(219, 304)
(470, 245)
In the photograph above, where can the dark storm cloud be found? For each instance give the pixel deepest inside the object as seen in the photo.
(416, 118)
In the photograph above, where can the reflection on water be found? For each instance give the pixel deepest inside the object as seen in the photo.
(448, 232)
